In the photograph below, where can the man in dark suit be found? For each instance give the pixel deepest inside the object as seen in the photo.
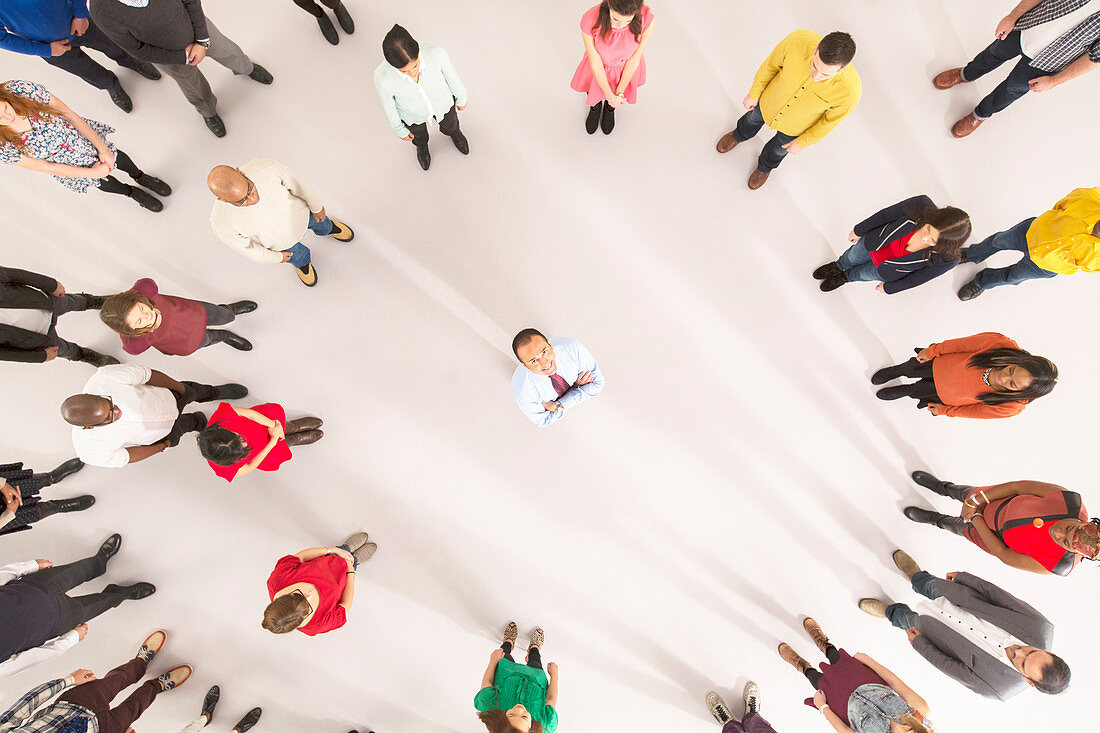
(977, 634)
(30, 305)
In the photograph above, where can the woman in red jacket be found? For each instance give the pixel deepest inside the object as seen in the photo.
(143, 317)
(984, 376)
(237, 441)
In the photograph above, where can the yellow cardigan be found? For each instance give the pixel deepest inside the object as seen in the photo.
(1061, 240)
(793, 104)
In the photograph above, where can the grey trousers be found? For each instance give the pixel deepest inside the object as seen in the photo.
(193, 83)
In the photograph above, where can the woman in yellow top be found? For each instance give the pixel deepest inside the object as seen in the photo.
(1062, 241)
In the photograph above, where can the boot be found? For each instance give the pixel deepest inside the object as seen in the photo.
(64, 506)
(906, 564)
(222, 336)
(791, 657)
(306, 437)
(943, 488)
(833, 282)
(813, 628)
(328, 30)
(718, 708)
(343, 17)
(461, 143)
(893, 393)
(592, 121)
(303, 424)
(607, 121)
(242, 306)
(925, 516)
(154, 184)
(423, 157)
(889, 374)
(757, 179)
(66, 469)
(873, 607)
(146, 200)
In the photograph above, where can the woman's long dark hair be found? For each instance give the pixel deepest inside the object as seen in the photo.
(497, 722)
(622, 7)
(1044, 375)
(952, 224)
(221, 446)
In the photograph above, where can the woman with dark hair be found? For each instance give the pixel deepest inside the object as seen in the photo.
(239, 440)
(145, 317)
(518, 698)
(856, 694)
(1030, 525)
(417, 85)
(40, 133)
(343, 17)
(311, 591)
(984, 376)
(20, 489)
(615, 34)
(902, 246)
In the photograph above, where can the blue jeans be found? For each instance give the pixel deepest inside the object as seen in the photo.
(1013, 239)
(774, 152)
(354, 562)
(1012, 88)
(857, 265)
(299, 254)
(901, 615)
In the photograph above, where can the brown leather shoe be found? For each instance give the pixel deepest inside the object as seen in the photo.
(948, 79)
(757, 179)
(966, 125)
(727, 143)
(813, 628)
(303, 424)
(790, 656)
(304, 438)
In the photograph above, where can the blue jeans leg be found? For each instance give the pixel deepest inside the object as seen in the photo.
(774, 152)
(901, 616)
(993, 56)
(1014, 238)
(925, 584)
(321, 228)
(299, 255)
(857, 265)
(1009, 90)
(1022, 271)
(355, 563)
(749, 124)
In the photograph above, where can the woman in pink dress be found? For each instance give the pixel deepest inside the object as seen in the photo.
(616, 33)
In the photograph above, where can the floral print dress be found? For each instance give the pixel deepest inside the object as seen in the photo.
(53, 139)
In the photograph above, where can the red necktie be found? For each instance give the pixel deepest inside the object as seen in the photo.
(560, 385)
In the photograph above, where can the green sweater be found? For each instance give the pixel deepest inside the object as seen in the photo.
(517, 683)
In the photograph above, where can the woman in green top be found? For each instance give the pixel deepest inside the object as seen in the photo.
(515, 698)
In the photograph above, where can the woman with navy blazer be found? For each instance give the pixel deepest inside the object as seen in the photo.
(902, 246)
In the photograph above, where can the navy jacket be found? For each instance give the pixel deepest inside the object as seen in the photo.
(915, 268)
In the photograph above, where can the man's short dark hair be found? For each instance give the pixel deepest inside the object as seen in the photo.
(1055, 677)
(523, 337)
(837, 49)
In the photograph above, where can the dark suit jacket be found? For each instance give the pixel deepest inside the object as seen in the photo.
(22, 289)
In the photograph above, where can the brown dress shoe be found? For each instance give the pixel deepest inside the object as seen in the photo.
(727, 143)
(757, 179)
(948, 79)
(302, 425)
(304, 438)
(966, 125)
(813, 628)
(790, 656)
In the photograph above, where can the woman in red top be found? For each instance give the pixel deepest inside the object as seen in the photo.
(312, 591)
(174, 326)
(984, 376)
(237, 441)
(1029, 525)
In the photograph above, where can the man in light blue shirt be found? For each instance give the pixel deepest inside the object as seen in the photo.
(555, 375)
(418, 85)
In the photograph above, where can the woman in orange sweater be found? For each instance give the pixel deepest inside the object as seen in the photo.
(984, 376)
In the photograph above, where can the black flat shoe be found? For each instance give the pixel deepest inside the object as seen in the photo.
(66, 469)
(592, 122)
(886, 374)
(461, 143)
(110, 546)
(826, 271)
(242, 306)
(145, 200)
(249, 720)
(833, 282)
(343, 17)
(607, 121)
(154, 184)
(229, 392)
(122, 100)
(210, 702)
(216, 125)
(970, 291)
(328, 30)
(149, 71)
(134, 592)
(892, 393)
(260, 74)
(424, 157)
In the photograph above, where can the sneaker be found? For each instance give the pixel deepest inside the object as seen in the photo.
(341, 232)
(366, 552)
(717, 707)
(511, 632)
(307, 275)
(833, 282)
(152, 644)
(791, 657)
(174, 677)
(906, 564)
(827, 270)
(752, 698)
(356, 541)
(537, 638)
(813, 628)
(122, 100)
(248, 721)
(260, 74)
(873, 607)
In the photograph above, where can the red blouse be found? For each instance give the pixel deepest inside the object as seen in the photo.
(254, 434)
(182, 324)
(893, 250)
(328, 574)
(1023, 523)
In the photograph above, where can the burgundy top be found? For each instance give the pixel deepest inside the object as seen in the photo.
(254, 434)
(326, 573)
(840, 680)
(182, 324)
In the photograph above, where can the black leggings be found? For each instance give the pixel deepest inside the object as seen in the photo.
(313, 8)
(815, 675)
(534, 657)
(124, 163)
(924, 389)
(61, 579)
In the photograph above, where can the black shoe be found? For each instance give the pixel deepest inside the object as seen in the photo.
(229, 392)
(260, 74)
(134, 592)
(343, 17)
(592, 122)
(66, 469)
(110, 546)
(221, 336)
(122, 100)
(242, 306)
(145, 200)
(216, 125)
(833, 282)
(210, 702)
(461, 143)
(826, 271)
(893, 393)
(923, 516)
(970, 291)
(154, 184)
(607, 121)
(424, 157)
(888, 374)
(95, 302)
(149, 71)
(248, 721)
(328, 30)
(75, 504)
(96, 359)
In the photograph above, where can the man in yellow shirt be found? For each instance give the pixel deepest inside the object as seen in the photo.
(802, 91)
(1063, 241)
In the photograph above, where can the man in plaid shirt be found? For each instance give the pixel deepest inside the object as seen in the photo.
(1056, 40)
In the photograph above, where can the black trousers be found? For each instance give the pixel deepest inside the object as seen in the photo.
(78, 63)
(192, 392)
(924, 389)
(67, 303)
(61, 579)
(124, 163)
(311, 7)
(448, 126)
(534, 657)
(815, 675)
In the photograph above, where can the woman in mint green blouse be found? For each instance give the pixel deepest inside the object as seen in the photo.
(516, 698)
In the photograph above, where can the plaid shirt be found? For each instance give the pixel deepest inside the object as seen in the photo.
(26, 717)
(1085, 38)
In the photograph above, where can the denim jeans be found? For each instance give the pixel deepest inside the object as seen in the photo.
(1013, 239)
(901, 615)
(354, 562)
(857, 265)
(774, 152)
(300, 255)
(1012, 88)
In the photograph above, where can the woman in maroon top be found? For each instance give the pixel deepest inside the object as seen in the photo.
(238, 441)
(311, 591)
(143, 317)
(1029, 525)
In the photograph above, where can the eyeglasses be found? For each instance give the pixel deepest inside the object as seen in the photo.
(248, 193)
(110, 414)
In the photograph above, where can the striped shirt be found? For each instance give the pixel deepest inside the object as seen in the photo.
(1082, 39)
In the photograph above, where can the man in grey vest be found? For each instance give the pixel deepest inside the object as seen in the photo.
(977, 634)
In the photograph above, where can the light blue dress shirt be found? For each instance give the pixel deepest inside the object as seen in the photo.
(531, 389)
(407, 101)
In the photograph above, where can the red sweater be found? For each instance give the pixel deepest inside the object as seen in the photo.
(182, 324)
(958, 384)
(328, 574)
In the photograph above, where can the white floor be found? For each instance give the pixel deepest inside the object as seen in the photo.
(737, 471)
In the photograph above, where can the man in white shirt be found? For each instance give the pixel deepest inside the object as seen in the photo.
(976, 633)
(554, 376)
(128, 413)
(263, 211)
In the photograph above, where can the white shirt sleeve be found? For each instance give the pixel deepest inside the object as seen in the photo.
(530, 403)
(55, 647)
(15, 570)
(130, 374)
(585, 363)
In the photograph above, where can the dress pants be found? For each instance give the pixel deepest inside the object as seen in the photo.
(67, 303)
(313, 8)
(60, 579)
(98, 694)
(192, 392)
(193, 83)
(448, 126)
(78, 63)
(751, 723)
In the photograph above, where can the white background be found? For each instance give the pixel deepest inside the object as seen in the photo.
(738, 470)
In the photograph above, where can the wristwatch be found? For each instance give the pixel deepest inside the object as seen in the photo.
(204, 42)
